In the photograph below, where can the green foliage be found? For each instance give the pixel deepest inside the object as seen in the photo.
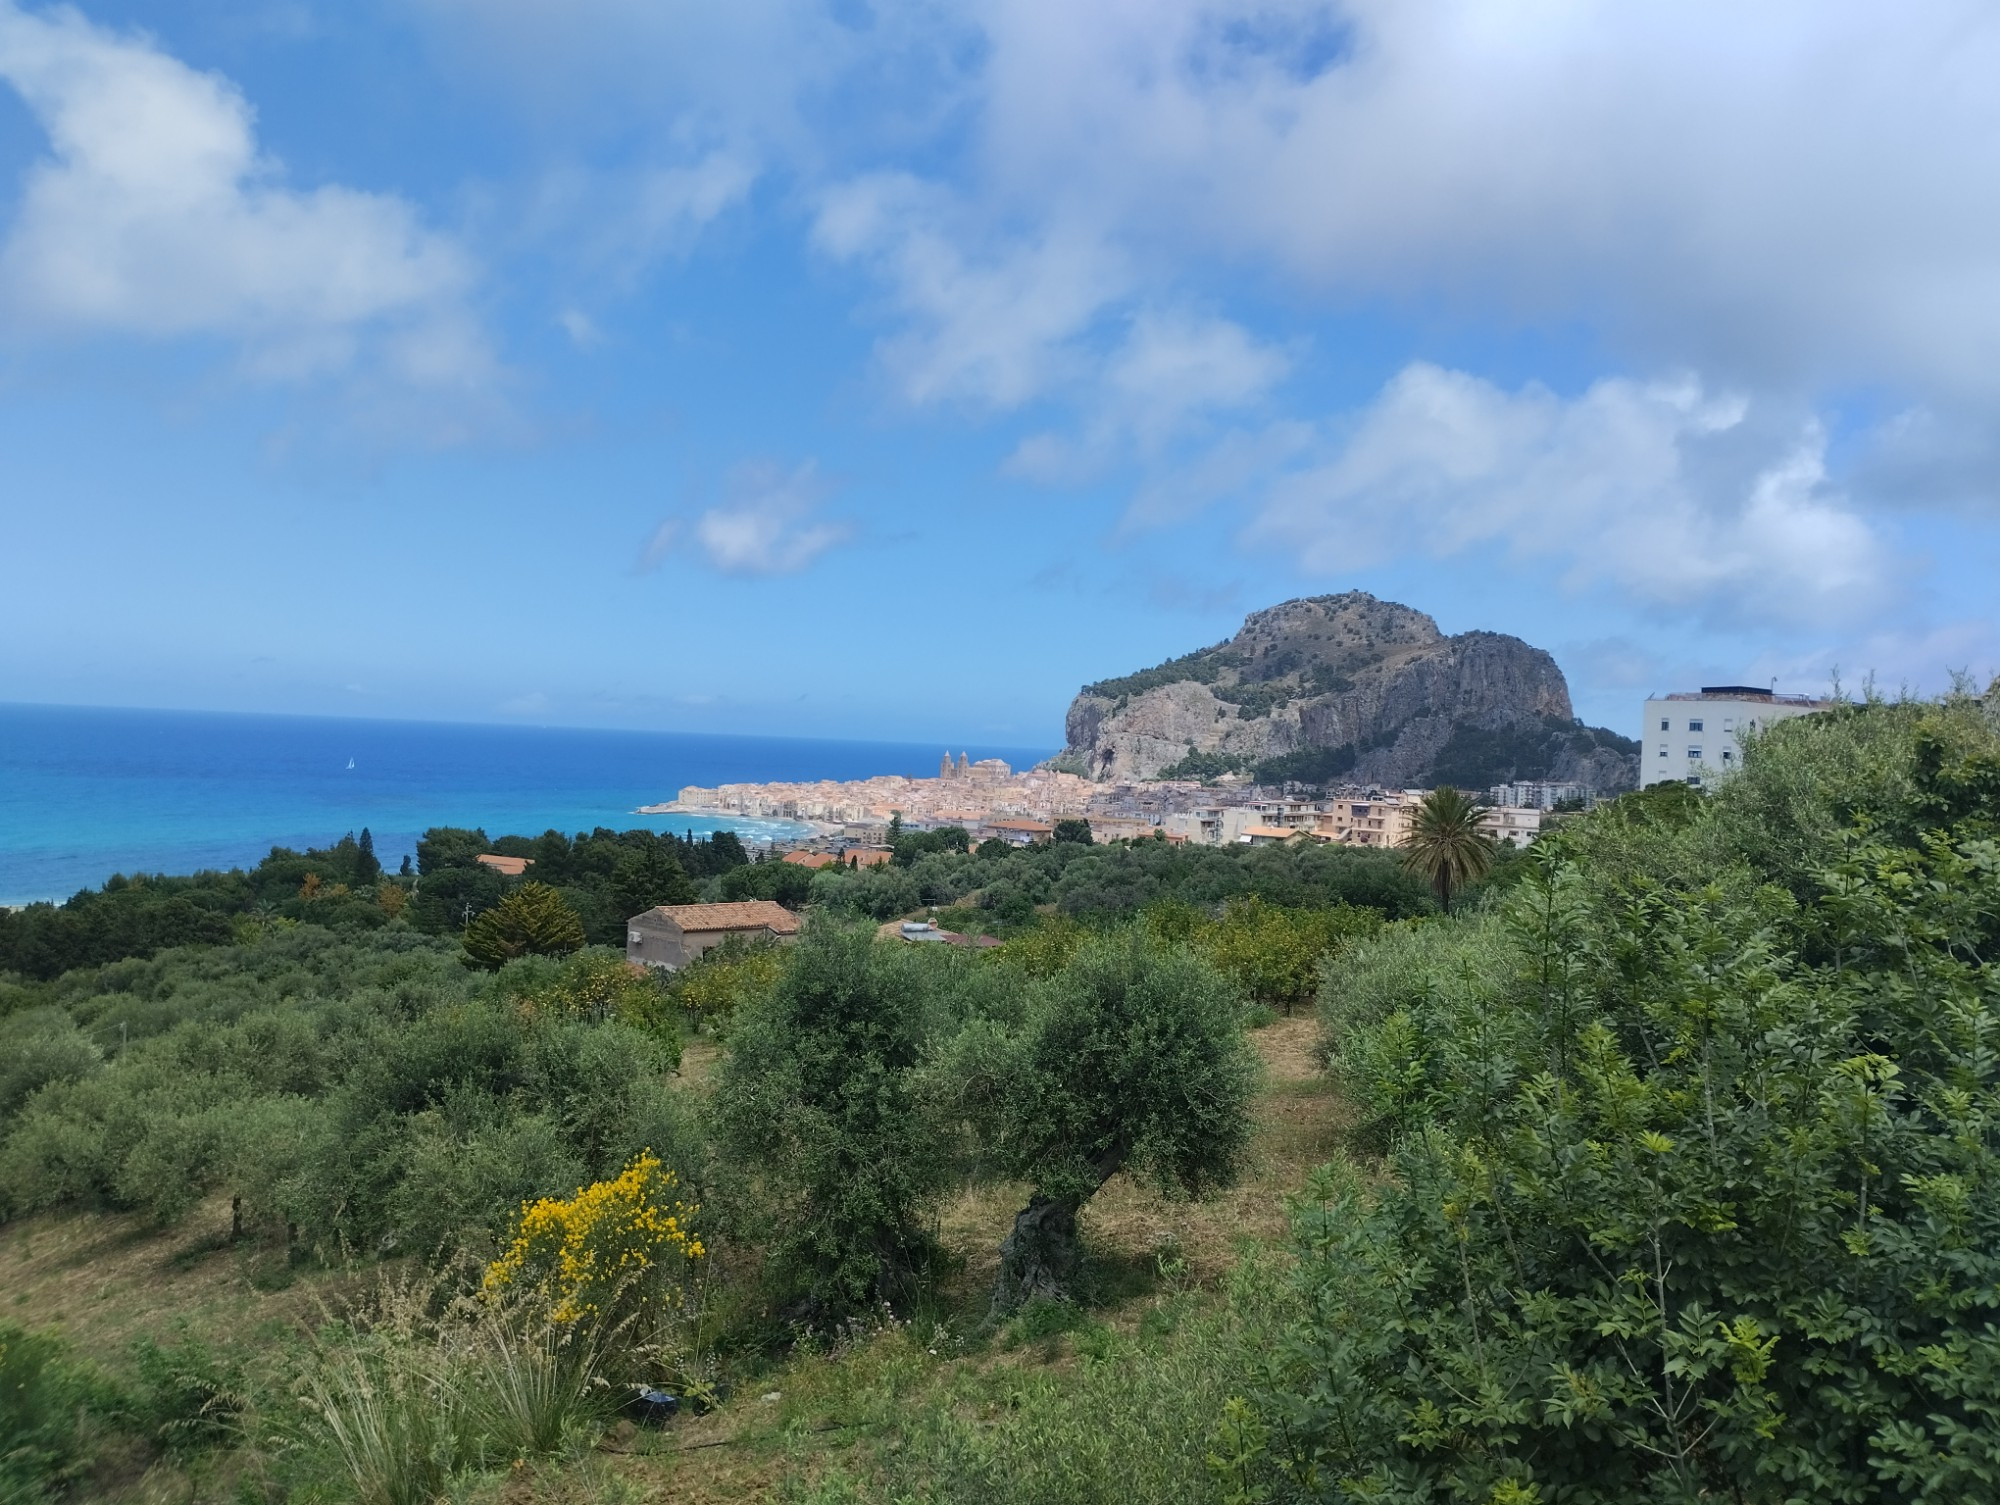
(1477, 757)
(1074, 829)
(726, 978)
(189, 1397)
(1272, 953)
(648, 877)
(369, 1093)
(1694, 1187)
(817, 1100)
(1445, 845)
(785, 883)
(45, 1398)
(449, 846)
(533, 920)
(598, 984)
(1131, 1057)
(1309, 765)
(1205, 765)
(1202, 667)
(1128, 1422)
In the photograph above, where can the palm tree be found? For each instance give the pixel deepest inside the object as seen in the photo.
(1446, 845)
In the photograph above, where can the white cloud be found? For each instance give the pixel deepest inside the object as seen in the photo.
(767, 524)
(1152, 392)
(995, 326)
(1793, 191)
(614, 225)
(1667, 495)
(156, 215)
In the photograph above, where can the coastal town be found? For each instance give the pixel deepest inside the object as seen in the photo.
(990, 801)
(1692, 737)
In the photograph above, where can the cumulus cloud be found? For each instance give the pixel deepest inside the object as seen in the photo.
(156, 214)
(1671, 496)
(1792, 191)
(766, 524)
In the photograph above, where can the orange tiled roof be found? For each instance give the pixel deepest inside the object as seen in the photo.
(510, 867)
(811, 859)
(747, 914)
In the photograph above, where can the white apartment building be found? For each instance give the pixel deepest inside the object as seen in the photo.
(1695, 737)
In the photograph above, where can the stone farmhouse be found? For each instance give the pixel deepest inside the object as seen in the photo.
(672, 935)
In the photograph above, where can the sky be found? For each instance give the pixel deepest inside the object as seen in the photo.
(890, 370)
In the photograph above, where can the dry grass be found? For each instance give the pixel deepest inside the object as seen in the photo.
(698, 1058)
(103, 1280)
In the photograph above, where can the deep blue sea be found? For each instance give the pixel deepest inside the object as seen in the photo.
(85, 792)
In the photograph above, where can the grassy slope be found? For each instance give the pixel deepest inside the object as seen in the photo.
(103, 1281)
(846, 1410)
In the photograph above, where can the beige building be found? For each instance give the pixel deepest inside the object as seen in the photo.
(1381, 820)
(672, 935)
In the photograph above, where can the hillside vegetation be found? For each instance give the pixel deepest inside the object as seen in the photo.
(1666, 1166)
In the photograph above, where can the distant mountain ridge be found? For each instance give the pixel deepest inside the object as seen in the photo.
(1348, 688)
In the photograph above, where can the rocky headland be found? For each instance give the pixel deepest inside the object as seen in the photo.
(1347, 689)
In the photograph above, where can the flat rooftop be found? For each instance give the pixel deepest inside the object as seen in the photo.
(1742, 692)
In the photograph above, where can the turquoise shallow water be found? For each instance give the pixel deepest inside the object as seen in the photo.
(88, 792)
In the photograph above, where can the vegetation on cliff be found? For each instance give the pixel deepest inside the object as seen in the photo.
(1328, 687)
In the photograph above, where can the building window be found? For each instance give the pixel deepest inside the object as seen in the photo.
(1663, 752)
(1695, 725)
(1664, 726)
(1694, 755)
(1728, 756)
(1695, 779)
(1729, 723)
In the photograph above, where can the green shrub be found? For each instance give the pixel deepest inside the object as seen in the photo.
(46, 1399)
(1694, 1189)
(816, 1106)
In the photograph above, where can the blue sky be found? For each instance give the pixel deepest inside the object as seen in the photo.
(890, 370)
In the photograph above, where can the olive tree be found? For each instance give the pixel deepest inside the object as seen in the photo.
(1132, 1057)
(816, 1102)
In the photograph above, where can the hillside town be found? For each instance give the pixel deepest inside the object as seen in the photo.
(989, 800)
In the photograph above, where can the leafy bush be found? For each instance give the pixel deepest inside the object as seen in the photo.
(816, 1100)
(1694, 1189)
(44, 1399)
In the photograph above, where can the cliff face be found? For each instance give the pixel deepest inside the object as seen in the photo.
(1348, 688)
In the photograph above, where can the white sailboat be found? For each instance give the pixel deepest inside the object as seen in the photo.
(350, 763)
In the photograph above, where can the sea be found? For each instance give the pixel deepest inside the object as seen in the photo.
(87, 792)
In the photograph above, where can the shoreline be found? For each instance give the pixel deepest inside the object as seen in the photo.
(814, 828)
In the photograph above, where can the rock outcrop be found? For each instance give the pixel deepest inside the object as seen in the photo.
(1348, 689)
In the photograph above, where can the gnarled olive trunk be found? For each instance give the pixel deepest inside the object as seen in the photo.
(1039, 1258)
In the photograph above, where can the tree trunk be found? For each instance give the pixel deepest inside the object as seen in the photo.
(1039, 1259)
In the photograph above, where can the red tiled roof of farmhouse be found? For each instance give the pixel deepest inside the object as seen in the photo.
(507, 867)
(745, 915)
(810, 859)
